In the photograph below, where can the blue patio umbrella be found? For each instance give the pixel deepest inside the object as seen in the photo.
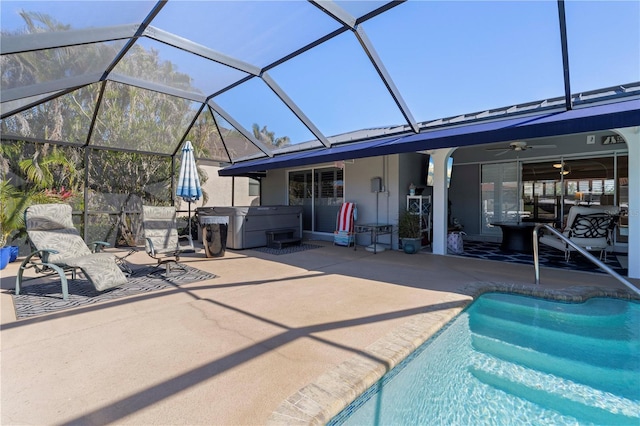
(188, 181)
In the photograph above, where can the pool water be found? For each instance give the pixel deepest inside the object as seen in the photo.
(510, 359)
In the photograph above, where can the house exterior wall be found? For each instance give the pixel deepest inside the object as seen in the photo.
(464, 194)
(275, 188)
(412, 170)
(222, 190)
(357, 179)
(399, 170)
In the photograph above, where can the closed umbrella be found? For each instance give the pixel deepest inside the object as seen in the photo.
(188, 181)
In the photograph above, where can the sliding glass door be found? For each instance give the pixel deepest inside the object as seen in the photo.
(499, 195)
(550, 188)
(320, 192)
(544, 191)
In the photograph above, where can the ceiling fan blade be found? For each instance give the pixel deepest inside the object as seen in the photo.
(504, 152)
(497, 149)
(541, 146)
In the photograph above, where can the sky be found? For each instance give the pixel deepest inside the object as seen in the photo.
(445, 57)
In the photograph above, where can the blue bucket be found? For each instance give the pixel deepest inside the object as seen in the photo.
(5, 254)
(13, 250)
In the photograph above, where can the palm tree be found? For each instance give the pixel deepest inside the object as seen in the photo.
(269, 138)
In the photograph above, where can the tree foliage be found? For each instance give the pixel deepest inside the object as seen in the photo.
(269, 138)
(128, 118)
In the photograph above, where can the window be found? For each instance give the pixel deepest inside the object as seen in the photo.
(254, 187)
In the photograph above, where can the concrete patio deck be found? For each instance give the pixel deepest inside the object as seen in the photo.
(246, 348)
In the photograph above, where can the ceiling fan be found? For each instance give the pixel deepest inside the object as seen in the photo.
(518, 146)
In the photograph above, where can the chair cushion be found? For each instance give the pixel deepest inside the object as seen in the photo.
(100, 269)
(553, 241)
(159, 225)
(50, 227)
(44, 217)
(590, 231)
(585, 210)
(67, 242)
(591, 226)
(586, 243)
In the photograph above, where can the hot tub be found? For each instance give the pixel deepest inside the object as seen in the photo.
(247, 226)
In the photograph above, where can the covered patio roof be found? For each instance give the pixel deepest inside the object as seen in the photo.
(551, 123)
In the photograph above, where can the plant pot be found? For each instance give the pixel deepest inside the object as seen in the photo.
(5, 254)
(411, 245)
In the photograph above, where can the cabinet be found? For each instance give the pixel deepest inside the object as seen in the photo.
(421, 205)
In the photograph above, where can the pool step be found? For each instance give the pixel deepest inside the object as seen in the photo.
(618, 381)
(582, 402)
(560, 342)
(581, 316)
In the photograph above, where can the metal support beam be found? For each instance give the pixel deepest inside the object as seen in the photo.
(294, 108)
(385, 77)
(64, 86)
(129, 44)
(565, 55)
(52, 40)
(262, 147)
(200, 50)
(155, 87)
(336, 12)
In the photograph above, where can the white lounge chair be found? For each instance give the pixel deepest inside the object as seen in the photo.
(588, 227)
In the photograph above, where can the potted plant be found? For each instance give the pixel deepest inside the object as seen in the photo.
(10, 220)
(410, 231)
(13, 203)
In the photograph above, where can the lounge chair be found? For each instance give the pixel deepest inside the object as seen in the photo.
(162, 241)
(59, 249)
(344, 234)
(588, 227)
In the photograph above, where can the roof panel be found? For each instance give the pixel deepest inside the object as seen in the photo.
(66, 118)
(454, 63)
(10, 106)
(238, 146)
(159, 63)
(131, 118)
(360, 8)
(603, 55)
(247, 103)
(257, 32)
(55, 16)
(338, 95)
(206, 138)
(31, 68)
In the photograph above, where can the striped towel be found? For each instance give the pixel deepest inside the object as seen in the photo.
(345, 217)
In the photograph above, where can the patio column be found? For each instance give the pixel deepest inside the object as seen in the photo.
(440, 199)
(632, 136)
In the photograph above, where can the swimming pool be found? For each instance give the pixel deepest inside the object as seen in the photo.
(510, 359)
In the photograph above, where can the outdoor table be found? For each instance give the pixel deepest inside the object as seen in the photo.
(375, 229)
(516, 236)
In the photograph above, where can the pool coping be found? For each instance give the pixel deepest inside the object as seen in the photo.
(318, 402)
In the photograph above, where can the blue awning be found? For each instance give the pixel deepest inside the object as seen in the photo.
(586, 119)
